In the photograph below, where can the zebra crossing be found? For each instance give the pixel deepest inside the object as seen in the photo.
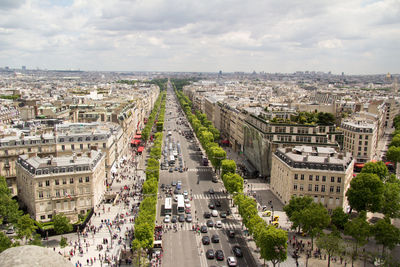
(209, 196)
(225, 226)
(204, 169)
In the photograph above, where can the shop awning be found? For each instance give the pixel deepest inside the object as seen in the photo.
(140, 149)
(138, 136)
(388, 163)
(135, 142)
(138, 132)
(225, 142)
(359, 165)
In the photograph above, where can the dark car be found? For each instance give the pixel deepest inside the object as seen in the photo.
(174, 219)
(210, 223)
(219, 254)
(181, 218)
(211, 205)
(222, 214)
(180, 170)
(211, 191)
(210, 254)
(203, 229)
(214, 180)
(237, 251)
(162, 186)
(176, 191)
(231, 233)
(171, 170)
(217, 203)
(205, 240)
(207, 215)
(173, 183)
(215, 238)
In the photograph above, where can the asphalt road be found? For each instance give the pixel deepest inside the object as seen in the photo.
(184, 247)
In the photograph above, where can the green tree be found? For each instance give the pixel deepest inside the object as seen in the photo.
(332, 244)
(61, 224)
(137, 247)
(386, 234)
(391, 202)
(217, 156)
(339, 218)
(379, 168)
(228, 166)
(296, 204)
(393, 154)
(314, 219)
(273, 245)
(233, 183)
(36, 240)
(395, 141)
(144, 233)
(5, 242)
(360, 230)
(9, 210)
(365, 192)
(25, 227)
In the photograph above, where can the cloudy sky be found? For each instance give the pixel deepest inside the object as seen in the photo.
(354, 36)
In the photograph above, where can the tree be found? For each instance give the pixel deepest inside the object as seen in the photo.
(339, 218)
(25, 227)
(9, 210)
(386, 234)
(296, 204)
(144, 233)
(61, 224)
(217, 156)
(395, 141)
(137, 247)
(227, 166)
(233, 182)
(360, 230)
(393, 154)
(5, 242)
(36, 240)
(391, 202)
(273, 244)
(379, 168)
(332, 244)
(313, 220)
(365, 192)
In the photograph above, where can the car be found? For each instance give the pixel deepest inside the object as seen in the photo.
(188, 206)
(215, 238)
(171, 170)
(181, 218)
(217, 203)
(203, 229)
(162, 186)
(187, 200)
(231, 261)
(211, 191)
(167, 218)
(211, 205)
(237, 251)
(210, 223)
(173, 183)
(188, 211)
(176, 191)
(219, 254)
(214, 179)
(174, 219)
(222, 214)
(210, 254)
(231, 233)
(176, 169)
(205, 240)
(189, 218)
(185, 193)
(10, 231)
(207, 214)
(180, 169)
(218, 224)
(179, 186)
(179, 182)
(214, 213)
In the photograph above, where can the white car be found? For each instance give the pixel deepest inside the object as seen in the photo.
(188, 206)
(218, 224)
(231, 261)
(185, 193)
(179, 182)
(167, 218)
(187, 200)
(214, 213)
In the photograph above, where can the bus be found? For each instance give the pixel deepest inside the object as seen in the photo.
(181, 204)
(168, 206)
(205, 161)
(171, 160)
(169, 133)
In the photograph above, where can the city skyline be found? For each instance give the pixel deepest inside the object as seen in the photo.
(355, 37)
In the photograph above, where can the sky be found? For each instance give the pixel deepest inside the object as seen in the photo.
(351, 36)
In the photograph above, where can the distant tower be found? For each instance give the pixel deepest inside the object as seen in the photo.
(395, 86)
(23, 68)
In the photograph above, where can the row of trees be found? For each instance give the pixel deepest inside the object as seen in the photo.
(145, 221)
(150, 121)
(271, 241)
(393, 153)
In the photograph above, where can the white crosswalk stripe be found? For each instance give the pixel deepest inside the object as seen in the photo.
(225, 226)
(209, 196)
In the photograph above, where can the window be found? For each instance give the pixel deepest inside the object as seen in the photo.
(360, 142)
(72, 191)
(310, 177)
(366, 137)
(322, 188)
(65, 192)
(87, 190)
(63, 147)
(365, 148)
(61, 139)
(332, 179)
(81, 146)
(47, 182)
(40, 184)
(57, 182)
(80, 190)
(87, 179)
(71, 181)
(104, 145)
(40, 194)
(338, 189)
(42, 217)
(301, 187)
(331, 189)
(49, 216)
(295, 187)
(72, 147)
(48, 195)
(80, 179)
(339, 179)
(366, 143)
(296, 176)
(323, 178)
(64, 181)
(316, 188)
(310, 187)
(317, 178)
(57, 193)
(302, 177)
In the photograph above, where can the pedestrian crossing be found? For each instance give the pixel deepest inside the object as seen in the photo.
(209, 196)
(204, 169)
(190, 226)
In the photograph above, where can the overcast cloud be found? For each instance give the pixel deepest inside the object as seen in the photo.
(354, 36)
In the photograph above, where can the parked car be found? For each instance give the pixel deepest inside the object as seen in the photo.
(217, 203)
(181, 218)
(214, 213)
(211, 191)
(222, 214)
(218, 224)
(174, 219)
(231, 233)
(189, 218)
(211, 205)
(167, 218)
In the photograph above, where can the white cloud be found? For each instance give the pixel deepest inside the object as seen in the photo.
(204, 35)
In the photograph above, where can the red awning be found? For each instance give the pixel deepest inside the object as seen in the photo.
(135, 142)
(138, 132)
(138, 136)
(388, 163)
(360, 165)
(140, 149)
(225, 142)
